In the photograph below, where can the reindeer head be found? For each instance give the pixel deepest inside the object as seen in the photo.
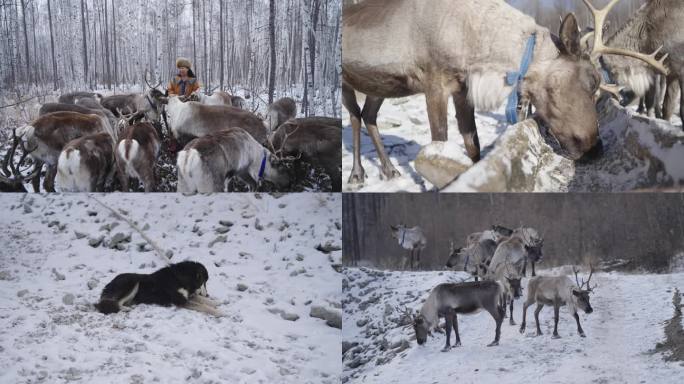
(580, 294)
(454, 256)
(421, 328)
(514, 283)
(395, 230)
(277, 172)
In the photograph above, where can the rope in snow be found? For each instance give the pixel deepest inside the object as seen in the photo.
(160, 252)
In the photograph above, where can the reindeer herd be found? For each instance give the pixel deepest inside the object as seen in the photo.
(497, 258)
(86, 139)
(475, 59)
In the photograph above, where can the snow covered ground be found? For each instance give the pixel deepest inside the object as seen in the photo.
(262, 269)
(622, 332)
(404, 129)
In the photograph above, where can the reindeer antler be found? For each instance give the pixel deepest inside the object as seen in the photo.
(278, 153)
(147, 71)
(600, 48)
(583, 283)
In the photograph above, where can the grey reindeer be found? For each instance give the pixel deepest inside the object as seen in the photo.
(558, 291)
(411, 239)
(451, 299)
(442, 48)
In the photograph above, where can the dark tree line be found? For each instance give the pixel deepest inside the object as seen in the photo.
(647, 229)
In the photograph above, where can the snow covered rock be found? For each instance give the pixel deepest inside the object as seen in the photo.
(441, 162)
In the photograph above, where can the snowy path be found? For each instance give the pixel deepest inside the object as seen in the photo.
(50, 333)
(627, 322)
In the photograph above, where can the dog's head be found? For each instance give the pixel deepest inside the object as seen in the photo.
(193, 277)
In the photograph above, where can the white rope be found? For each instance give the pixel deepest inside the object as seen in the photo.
(160, 252)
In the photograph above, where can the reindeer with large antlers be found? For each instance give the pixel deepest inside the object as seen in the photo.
(44, 139)
(558, 291)
(397, 48)
(655, 26)
(137, 105)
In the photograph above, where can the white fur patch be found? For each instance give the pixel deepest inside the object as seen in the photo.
(203, 290)
(25, 132)
(72, 176)
(488, 90)
(638, 82)
(183, 292)
(191, 176)
(132, 154)
(126, 299)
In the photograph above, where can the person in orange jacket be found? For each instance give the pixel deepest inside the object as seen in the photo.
(185, 82)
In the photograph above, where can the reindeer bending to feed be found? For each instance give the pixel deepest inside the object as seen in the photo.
(206, 162)
(476, 61)
(448, 300)
(558, 291)
(411, 239)
(475, 258)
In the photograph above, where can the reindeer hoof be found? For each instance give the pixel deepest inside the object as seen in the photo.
(512, 321)
(458, 344)
(522, 329)
(539, 333)
(357, 177)
(446, 349)
(556, 336)
(582, 334)
(493, 344)
(390, 172)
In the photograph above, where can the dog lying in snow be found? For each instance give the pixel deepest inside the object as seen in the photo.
(183, 284)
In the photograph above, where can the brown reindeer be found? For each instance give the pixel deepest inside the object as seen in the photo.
(279, 112)
(44, 139)
(467, 50)
(315, 140)
(85, 163)
(136, 155)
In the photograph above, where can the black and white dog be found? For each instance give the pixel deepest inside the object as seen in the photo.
(182, 284)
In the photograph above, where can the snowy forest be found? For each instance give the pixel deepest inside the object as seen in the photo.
(286, 47)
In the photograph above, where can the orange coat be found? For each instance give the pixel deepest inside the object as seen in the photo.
(191, 86)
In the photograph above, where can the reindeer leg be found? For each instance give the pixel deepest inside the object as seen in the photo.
(458, 337)
(465, 116)
(556, 313)
(497, 314)
(370, 114)
(512, 322)
(533, 272)
(670, 97)
(536, 317)
(524, 319)
(35, 182)
(449, 317)
(418, 259)
(349, 100)
(579, 327)
(49, 182)
(681, 98)
(649, 101)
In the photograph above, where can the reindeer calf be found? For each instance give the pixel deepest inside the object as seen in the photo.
(557, 291)
(206, 162)
(85, 163)
(136, 154)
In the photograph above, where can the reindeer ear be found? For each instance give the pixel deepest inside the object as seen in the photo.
(570, 36)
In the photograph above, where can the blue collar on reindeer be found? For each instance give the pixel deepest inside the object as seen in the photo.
(515, 78)
(262, 168)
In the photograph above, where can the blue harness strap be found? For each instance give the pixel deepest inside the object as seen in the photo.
(262, 168)
(515, 78)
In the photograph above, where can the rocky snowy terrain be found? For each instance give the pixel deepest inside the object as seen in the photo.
(272, 264)
(639, 153)
(627, 334)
